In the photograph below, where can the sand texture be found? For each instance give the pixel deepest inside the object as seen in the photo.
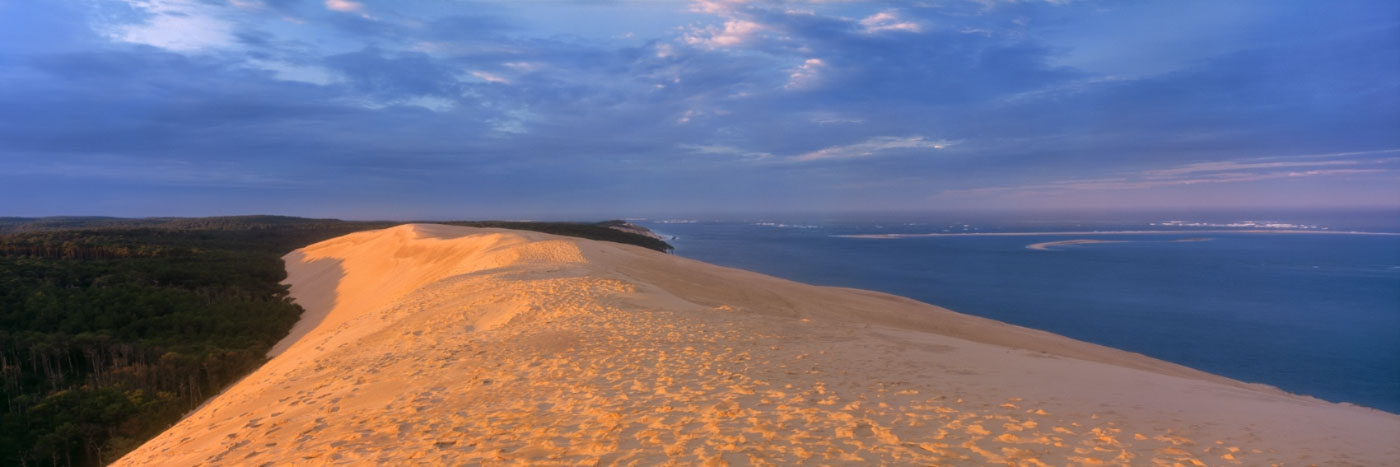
(428, 345)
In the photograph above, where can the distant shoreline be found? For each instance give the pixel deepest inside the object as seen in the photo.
(1112, 232)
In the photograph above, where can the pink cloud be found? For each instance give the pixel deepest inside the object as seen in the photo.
(344, 5)
(888, 21)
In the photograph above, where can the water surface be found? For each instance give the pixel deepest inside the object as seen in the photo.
(1317, 314)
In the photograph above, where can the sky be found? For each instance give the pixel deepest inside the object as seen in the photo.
(562, 109)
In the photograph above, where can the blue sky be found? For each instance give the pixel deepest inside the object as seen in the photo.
(582, 109)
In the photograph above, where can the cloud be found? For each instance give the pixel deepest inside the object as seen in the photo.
(888, 21)
(739, 24)
(177, 25)
(688, 115)
(248, 4)
(163, 172)
(734, 32)
(1220, 177)
(1220, 172)
(807, 75)
(1211, 167)
(524, 67)
(1292, 161)
(345, 6)
(871, 147)
(722, 150)
(490, 77)
(294, 72)
(719, 7)
(992, 4)
(819, 101)
(390, 76)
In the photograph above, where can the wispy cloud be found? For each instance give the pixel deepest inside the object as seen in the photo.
(721, 150)
(172, 172)
(1279, 162)
(357, 8)
(721, 7)
(733, 32)
(1220, 177)
(345, 6)
(177, 25)
(872, 147)
(826, 97)
(490, 77)
(807, 75)
(738, 27)
(1240, 171)
(991, 4)
(888, 21)
(1218, 167)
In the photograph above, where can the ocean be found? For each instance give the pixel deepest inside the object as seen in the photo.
(1292, 303)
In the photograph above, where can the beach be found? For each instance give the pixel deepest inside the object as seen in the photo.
(430, 344)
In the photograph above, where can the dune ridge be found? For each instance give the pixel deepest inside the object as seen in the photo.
(431, 344)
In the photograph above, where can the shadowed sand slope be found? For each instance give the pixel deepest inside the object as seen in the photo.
(429, 344)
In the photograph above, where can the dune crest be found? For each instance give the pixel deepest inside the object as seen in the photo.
(364, 271)
(430, 344)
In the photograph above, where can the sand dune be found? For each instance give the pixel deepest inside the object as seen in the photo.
(429, 344)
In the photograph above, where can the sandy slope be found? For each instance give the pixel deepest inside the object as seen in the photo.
(429, 344)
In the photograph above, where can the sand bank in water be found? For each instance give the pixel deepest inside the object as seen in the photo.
(1063, 243)
(428, 344)
(1056, 245)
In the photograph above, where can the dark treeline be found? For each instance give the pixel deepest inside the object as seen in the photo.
(108, 335)
(41, 224)
(599, 231)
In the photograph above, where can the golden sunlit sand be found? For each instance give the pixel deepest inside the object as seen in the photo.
(429, 344)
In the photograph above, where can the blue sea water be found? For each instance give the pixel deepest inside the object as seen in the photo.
(1315, 314)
